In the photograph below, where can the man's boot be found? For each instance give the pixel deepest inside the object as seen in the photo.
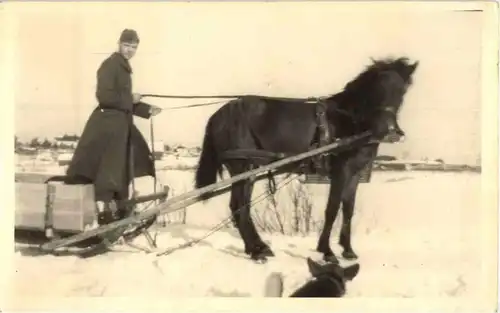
(106, 212)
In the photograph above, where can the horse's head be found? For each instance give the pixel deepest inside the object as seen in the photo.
(379, 91)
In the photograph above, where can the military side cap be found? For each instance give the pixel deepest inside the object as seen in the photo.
(129, 35)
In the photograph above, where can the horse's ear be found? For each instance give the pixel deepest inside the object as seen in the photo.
(314, 268)
(413, 67)
(351, 271)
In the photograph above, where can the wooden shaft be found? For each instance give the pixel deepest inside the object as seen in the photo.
(145, 198)
(54, 244)
(151, 241)
(130, 172)
(152, 134)
(189, 198)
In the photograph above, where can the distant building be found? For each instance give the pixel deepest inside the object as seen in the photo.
(64, 159)
(159, 149)
(26, 151)
(66, 141)
(182, 152)
(66, 144)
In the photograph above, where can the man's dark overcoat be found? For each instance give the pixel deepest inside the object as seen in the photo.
(103, 151)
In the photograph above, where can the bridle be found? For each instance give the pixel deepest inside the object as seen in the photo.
(355, 119)
(388, 109)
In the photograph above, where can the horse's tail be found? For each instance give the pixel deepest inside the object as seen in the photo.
(208, 164)
(274, 285)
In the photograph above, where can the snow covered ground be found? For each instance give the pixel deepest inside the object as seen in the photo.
(417, 235)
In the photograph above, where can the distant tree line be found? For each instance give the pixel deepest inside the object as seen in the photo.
(173, 148)
(67, 137)
(38, 143)
(45, 143)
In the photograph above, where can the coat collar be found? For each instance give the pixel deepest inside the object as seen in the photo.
(123, 62)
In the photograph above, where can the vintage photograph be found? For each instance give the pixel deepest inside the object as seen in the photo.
(252, 150)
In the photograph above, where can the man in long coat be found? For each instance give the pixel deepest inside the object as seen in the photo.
(110, 140)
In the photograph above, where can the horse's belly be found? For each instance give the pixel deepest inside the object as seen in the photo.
(286, 137)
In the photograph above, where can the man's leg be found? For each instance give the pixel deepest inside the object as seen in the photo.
(121, 196)
(106, 206)
(128, 174)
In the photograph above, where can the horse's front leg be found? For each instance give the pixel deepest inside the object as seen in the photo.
(331, 211)
(348, 203)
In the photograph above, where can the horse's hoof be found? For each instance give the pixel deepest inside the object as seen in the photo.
(260, 250)
(261, 261)
(267, 252)
(259, 258)
(349, 255)
(262, 253)
(331, 259)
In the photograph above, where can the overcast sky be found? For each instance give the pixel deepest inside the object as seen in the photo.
(284, 49)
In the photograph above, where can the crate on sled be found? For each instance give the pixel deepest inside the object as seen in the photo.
(72, 207)
(66, 208)
(30, 206)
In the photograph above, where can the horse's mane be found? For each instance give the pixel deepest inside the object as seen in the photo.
(363, 84)
(373, 71)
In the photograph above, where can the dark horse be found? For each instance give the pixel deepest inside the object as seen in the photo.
(370, 102)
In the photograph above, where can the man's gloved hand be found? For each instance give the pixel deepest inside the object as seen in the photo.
(154, 110)
(136, 97)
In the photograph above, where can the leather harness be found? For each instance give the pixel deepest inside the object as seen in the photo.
(324, 137)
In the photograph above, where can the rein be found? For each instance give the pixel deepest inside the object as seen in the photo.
(321, 99)
(191, 105)
(309, 99)
(188, 97)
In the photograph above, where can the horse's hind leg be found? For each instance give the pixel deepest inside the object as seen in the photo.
(258, 249)
(237, 196)
(348, 202)
(233, 205)
(240, 205)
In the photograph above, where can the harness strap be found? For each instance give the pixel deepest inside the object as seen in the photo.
(323, 129)
(271, 183)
